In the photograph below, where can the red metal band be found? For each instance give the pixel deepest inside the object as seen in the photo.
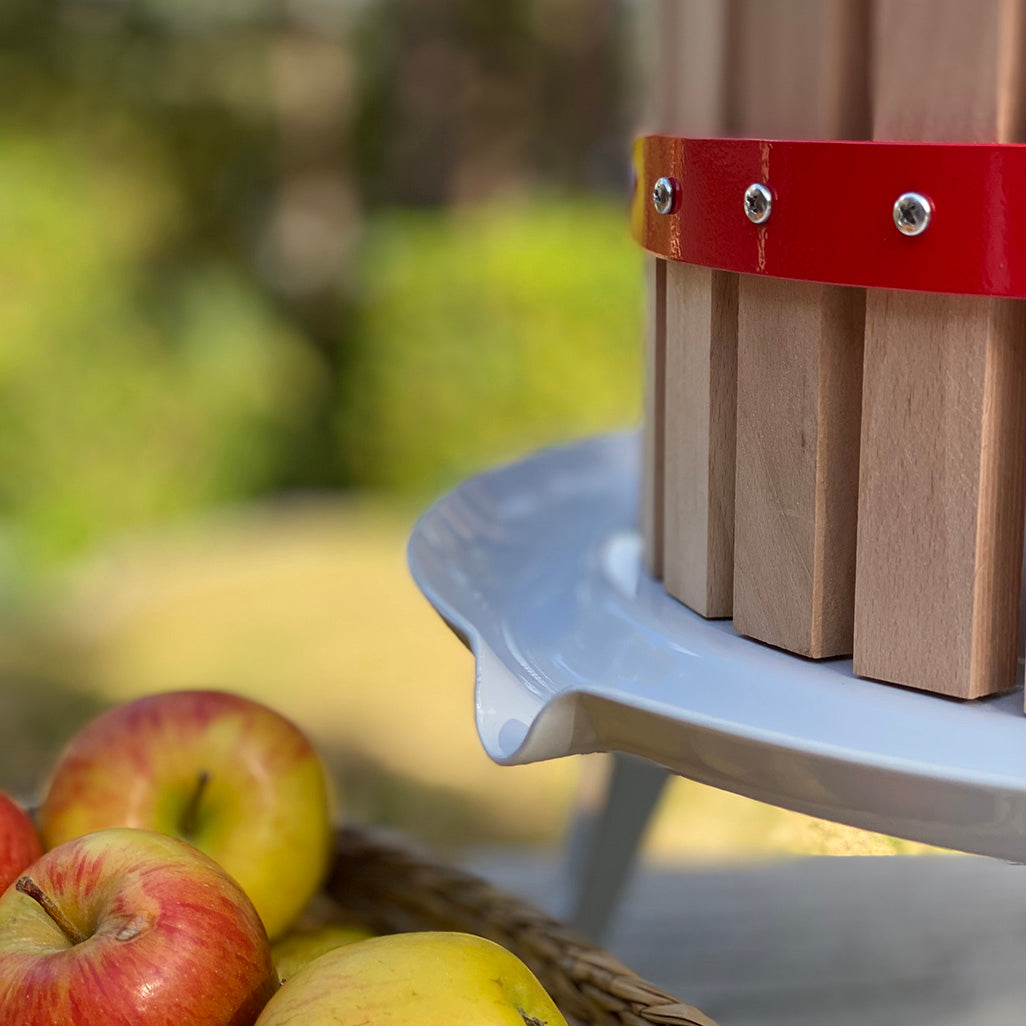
(832, 214)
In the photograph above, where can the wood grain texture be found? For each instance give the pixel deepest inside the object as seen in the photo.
(658, 77)
(701, 332)
(797, 463)
(800, 73)
(944, 407)
(692, 42)
(654, 422)
(799, 69)
(701, 376)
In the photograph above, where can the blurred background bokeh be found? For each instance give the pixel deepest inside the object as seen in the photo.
(273, 275)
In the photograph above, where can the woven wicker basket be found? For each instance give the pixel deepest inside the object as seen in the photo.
(383, 884)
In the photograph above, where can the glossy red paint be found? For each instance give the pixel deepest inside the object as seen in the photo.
(832, 219)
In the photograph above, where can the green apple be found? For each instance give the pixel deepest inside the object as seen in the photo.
(126, 927)
(431, 979)
(301, 946)
(19, 842)
(227, 774)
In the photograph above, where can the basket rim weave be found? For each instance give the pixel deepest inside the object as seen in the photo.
(383, 881)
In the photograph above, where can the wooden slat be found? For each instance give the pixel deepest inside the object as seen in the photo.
(701, 326)
(701, 379)
(654, 423)
(799, 72)
(800, 365)
(659, 75)
(941, 489)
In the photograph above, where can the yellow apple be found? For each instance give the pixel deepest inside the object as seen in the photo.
(431, 979)
(301, 946)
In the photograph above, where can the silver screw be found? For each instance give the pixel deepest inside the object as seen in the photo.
(912, 213)
(664, 195)
(758, 203)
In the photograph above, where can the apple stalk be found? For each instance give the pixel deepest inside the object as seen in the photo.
(29, 887)
(190, 817)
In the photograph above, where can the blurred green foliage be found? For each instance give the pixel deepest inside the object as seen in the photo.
(478, 333)
(486, 331)
(110, 416)
(250, 248)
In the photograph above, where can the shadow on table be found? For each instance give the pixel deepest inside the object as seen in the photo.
(443, 819)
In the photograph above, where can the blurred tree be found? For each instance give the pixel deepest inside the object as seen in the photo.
(241, 111)
(461, 100)
(187, 310)
(489, 332)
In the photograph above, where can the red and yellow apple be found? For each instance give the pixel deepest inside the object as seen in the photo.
(131, 927)
(19, 842)
(227, 774)
(431, 979)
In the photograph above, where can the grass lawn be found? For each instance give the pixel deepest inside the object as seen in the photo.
(310, 608)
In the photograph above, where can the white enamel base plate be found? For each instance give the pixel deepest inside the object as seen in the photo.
(537, 566)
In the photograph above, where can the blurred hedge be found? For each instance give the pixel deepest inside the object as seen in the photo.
(206, 294)
(482, 332)
(475, 334)
(117, 411)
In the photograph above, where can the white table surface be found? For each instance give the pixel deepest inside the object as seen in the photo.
(536, 565)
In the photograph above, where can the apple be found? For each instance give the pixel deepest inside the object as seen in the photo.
(19, 842)
(431, 979)
(301, 946)
(227, 774)
(131, 927)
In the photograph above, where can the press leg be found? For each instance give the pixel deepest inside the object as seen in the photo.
(604, 839)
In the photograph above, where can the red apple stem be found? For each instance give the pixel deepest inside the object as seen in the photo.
(190, 817)
(29, 887)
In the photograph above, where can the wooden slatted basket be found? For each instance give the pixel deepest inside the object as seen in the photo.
(384, 884)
